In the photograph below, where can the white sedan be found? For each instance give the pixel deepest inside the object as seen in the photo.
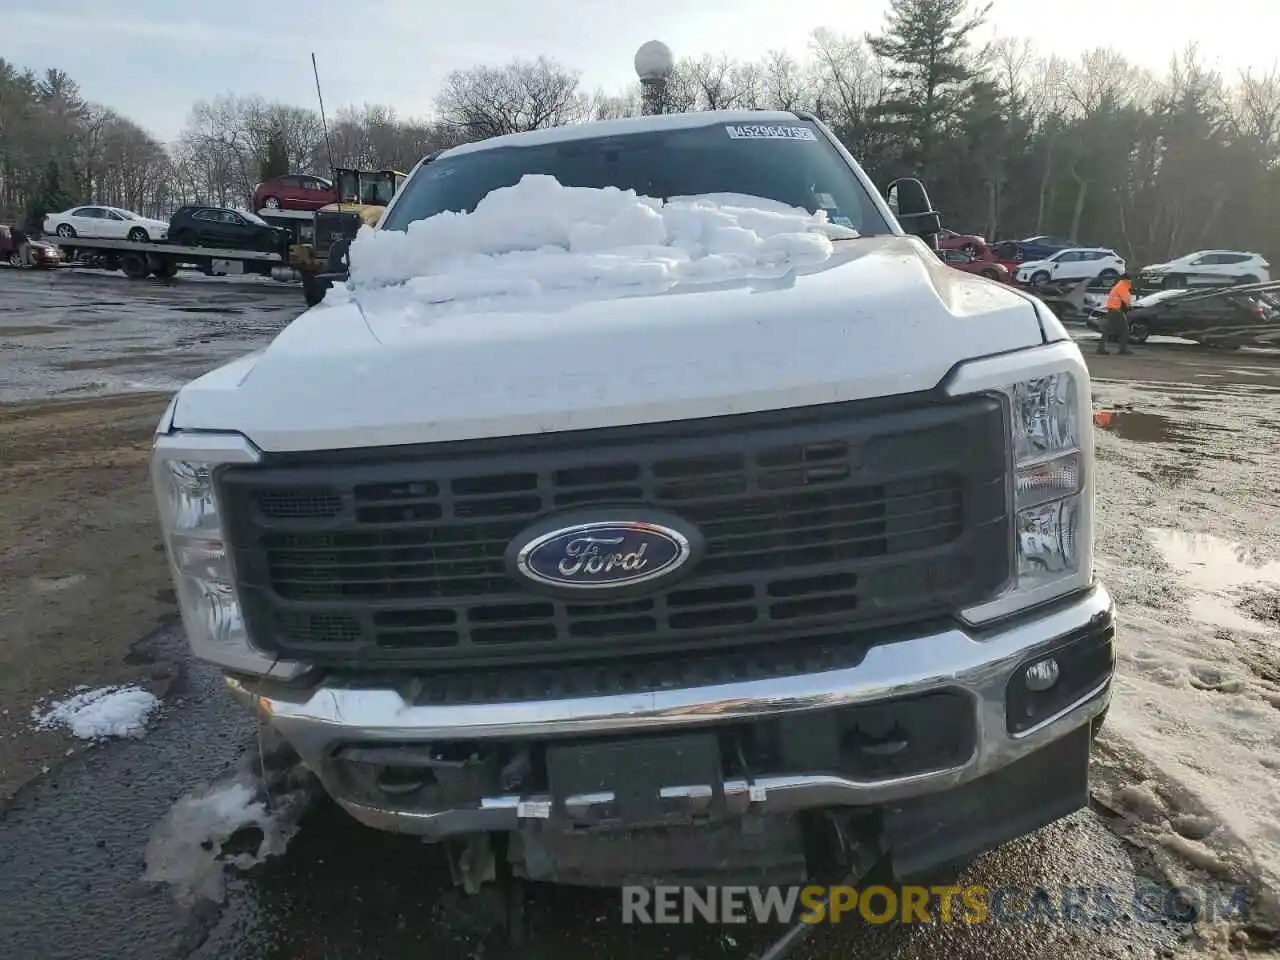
(111, 223)
(1075, 263)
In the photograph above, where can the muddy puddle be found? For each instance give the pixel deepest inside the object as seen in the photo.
(1222, 578)
(1144, 427)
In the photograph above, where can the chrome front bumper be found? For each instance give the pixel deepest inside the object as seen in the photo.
(981, 664)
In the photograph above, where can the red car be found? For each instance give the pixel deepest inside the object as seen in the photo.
(294, 192)
(1008, 253)
(990, 269)
(19, 250)
(964, 242)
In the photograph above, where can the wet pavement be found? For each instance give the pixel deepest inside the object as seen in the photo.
(72, 844)
(72, 863)
(78, 332)
(73, 332)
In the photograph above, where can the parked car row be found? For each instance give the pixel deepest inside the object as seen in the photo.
(1048, 259)
(1033, 261)
(195, 226)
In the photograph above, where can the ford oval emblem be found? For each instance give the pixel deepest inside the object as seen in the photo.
(603, 554)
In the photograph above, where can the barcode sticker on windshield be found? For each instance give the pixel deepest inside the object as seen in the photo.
(743, 131)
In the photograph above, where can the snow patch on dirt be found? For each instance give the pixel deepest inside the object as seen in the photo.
(120, 711)
(56, 584)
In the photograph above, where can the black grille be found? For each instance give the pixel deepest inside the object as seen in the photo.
(818, 523)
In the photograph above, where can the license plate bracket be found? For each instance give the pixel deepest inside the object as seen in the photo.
(635, 772)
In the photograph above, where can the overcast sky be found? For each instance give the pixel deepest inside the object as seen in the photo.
(150, 59)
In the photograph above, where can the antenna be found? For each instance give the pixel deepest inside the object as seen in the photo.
(323, 122)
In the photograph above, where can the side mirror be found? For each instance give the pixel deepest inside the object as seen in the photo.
(910, 203)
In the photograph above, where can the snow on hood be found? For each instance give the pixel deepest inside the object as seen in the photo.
(539, 236)
(553, 308)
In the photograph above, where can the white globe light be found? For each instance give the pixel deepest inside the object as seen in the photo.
(654, 61)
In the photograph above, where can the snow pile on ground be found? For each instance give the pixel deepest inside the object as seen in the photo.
(120, 711)
(539, 236)
(229, 822)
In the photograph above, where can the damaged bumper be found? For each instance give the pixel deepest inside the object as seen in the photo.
(944, 716)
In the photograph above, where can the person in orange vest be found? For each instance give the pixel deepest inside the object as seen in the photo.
(1119, 300)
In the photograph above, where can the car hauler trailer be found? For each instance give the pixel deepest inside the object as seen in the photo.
(299, 224)
(139, 260)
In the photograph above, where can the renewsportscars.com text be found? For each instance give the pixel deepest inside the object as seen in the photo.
(919, 904)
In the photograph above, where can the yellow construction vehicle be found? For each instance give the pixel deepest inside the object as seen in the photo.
(362, 196)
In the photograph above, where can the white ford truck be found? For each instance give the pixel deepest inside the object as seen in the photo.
(628, 581)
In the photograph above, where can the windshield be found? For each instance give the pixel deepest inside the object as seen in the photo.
(348, 186)
(791, 163)
(127, 214)
(252, 218)
(377, 189)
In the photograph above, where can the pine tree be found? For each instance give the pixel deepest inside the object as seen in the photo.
(275, 159)
(50, 197)
(926, 43)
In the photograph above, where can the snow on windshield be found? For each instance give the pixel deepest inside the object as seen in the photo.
(540, 236)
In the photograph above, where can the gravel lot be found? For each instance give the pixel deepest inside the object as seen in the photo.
(84, 598)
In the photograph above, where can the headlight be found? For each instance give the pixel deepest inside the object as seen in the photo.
(182, 475)
(1051, 486)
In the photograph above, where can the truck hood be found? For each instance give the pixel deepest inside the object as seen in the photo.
(1034, 264)
(1156, 268)
(881, 316)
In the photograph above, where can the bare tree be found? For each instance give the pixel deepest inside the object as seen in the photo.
(375, 137)
(720, 83)
(785, 84)
(1100, 93)
(850, 83)
(1255, 110)
(1103, 78)
(605, 106)
(523, 95)
(682, 92)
